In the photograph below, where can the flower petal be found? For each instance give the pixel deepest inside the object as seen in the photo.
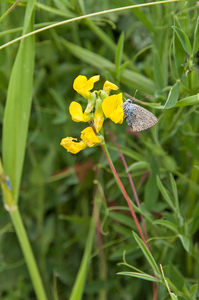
(83, 86)
(98, 120)
(73, 147)
(76, 112)
(108, 86)
(89, 137)
(112, 108)
(117, 116)
(98, 116)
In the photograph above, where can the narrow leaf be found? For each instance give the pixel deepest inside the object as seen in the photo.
(175, 190)
(172, 295)
(119, 52)
(179, 53)
(140, 275)
(192, 100)
(139, 165)
(193, 291)
(18, 105)
(195, 222)
(151, 190)
(130, 78)
(173, 95)
(165, 193)
(196, 38)
(167, 224)
(158, 73)
(78, 286)
(147, 254)
(185, 242)
(183, 39)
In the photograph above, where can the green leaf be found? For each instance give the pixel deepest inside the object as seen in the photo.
(78, 286)
(175, 190)
(192, 100)
(183, 39)
(179, 54)
(139, 165)
(151, 190)
(147, 254)
(167, 224)
(140, 275)
(158, 73)
(193, 291)
(128, 152)
(173, 96)
(18, 106)
(119, 52)
(195, 221)
(165, 193)
(128, 77)
(172, 295)
(122, 67)
(142, 16)
(196, 38)
(185, 241)
(126, 220)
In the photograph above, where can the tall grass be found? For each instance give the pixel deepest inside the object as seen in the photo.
(66, 231)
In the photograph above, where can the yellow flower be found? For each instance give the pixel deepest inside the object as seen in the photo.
(108, 86)
(98, 116)
(82, 85)
(77, 114)
(73, 147)
(112, 108)
(89, 137)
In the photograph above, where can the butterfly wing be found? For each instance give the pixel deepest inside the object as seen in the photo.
(142, 119)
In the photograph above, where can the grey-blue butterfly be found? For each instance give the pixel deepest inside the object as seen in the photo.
(137, 117)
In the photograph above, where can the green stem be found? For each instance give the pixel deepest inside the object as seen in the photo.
(13, 210)
(28, 254)
(78, 287)
(9, 10)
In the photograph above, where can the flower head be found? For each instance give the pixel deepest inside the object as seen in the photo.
(82, 85)
(99, 104)
(112, 108)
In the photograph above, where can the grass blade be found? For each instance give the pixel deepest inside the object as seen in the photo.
(18, 105)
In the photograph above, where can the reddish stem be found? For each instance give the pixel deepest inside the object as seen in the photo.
(155, 287)
(132, 186)
(126, 196)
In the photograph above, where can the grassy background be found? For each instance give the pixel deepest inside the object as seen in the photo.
(57, 188)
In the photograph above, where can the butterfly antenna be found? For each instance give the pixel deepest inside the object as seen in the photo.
(135, 99)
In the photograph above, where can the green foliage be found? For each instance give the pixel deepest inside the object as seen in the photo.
(153, 49)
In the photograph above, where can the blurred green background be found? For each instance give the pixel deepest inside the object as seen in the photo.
(58, 189)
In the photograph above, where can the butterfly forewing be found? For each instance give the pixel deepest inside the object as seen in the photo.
(142, 119)
(138, 118)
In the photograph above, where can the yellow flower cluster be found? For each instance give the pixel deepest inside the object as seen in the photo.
(99, 104)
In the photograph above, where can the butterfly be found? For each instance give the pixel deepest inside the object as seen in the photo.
(137, 117)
